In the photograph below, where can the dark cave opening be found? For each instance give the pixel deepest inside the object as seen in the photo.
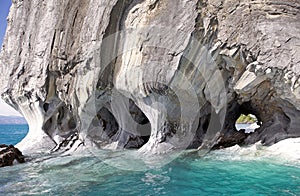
(46, 107)
(130, 132)
(102, 127)
(143, 129)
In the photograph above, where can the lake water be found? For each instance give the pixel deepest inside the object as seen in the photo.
(12, 134)
(223, 172)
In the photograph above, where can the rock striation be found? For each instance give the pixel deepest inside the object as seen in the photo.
(157, 75)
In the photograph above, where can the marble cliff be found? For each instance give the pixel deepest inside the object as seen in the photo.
(155, 75)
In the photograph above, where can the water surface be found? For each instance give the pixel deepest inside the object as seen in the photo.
(223, 172)
(186, 175)
(12, 134)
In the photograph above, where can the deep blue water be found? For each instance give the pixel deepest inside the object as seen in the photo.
(12, 134)
(100, 173)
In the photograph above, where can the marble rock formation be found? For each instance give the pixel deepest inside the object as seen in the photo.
(8, 154)
(157, 75)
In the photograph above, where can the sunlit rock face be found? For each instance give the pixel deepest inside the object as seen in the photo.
(157, 75)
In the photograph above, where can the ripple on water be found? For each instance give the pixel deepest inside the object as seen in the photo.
(219, 172)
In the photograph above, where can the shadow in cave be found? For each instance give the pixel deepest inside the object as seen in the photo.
(105, 128)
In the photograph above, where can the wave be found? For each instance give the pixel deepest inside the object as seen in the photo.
(285, 152)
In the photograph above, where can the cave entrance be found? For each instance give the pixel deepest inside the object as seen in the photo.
(102, 127)
(143, 129)
(124, 123)
(247, 123)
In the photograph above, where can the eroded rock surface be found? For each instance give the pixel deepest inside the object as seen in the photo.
(9, 154)
(152, 74)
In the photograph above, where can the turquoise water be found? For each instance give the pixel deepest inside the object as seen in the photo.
(12, 134)
(191, 173)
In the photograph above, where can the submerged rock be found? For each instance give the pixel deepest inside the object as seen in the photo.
(8, 154)
(152, 74)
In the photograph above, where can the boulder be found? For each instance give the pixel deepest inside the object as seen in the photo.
(8, 154)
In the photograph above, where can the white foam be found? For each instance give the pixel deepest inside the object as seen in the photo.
(285, 151)
(288, 149)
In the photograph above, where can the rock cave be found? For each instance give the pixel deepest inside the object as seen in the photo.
(153, 75)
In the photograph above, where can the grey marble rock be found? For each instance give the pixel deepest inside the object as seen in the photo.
(157, 75)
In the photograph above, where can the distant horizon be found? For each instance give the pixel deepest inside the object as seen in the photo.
(12, 120)
(3, 115)
(5, 109)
